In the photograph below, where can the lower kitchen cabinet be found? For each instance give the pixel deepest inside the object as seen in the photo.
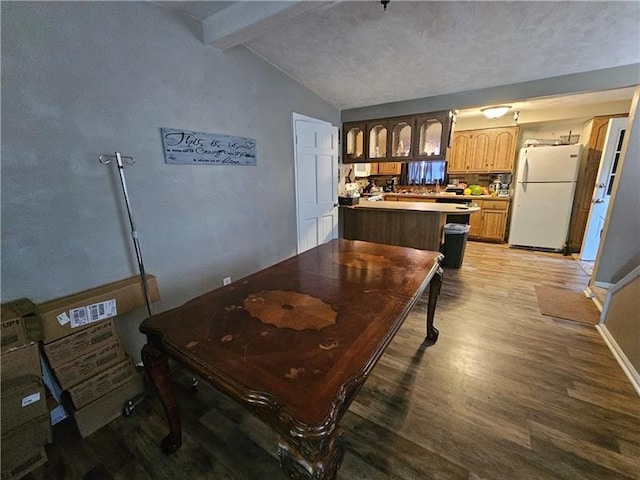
(491, 222)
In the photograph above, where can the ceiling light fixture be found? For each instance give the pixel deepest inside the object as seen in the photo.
(495, 112)
(384, 4)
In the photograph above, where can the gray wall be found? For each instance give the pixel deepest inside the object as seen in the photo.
(80, 79)
(619, 251)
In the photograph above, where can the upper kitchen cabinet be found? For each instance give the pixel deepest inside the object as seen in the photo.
(486, 150)
(401, 138)
(504, 142)
(398, 139)
(432, 136)
(378, 135)
(353, 144)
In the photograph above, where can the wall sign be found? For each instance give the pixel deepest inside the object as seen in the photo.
(196, 148)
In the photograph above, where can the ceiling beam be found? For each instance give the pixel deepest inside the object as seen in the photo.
(243, 21)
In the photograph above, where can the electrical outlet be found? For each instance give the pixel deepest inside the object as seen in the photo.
(226, 280)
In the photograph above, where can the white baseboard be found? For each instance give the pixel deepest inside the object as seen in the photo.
(589, 294)
(622, 359)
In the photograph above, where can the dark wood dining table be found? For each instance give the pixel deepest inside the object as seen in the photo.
(294, 343)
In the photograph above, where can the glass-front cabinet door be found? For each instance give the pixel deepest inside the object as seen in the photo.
(402, 138)
(377, 133)
(353, 151)
(432, 136)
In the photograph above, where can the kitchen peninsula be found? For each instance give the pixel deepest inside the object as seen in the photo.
(407, 224)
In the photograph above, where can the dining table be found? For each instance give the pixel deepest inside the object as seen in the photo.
(294, 343)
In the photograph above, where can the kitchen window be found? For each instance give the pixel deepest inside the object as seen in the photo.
(425, 172)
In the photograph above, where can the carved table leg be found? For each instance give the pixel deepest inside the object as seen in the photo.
(434, 291)
(156, 364)
(302, 459)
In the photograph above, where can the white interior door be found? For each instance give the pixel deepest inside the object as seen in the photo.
(316, 146)
(603, 187)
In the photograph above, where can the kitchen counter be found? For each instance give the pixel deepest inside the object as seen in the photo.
(470, 198)
(437, 208)
(406, 224)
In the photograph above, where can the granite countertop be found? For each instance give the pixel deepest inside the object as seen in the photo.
(427, 207)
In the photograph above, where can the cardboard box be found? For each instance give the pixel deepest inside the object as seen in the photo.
(88, 365)
(19, 324)
(22, 448)
(23, 399)
(107, 408)
(21, 361)
(90, 390)
(71, 314)
(68, 348)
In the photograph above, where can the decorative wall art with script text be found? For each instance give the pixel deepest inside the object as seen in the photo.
(196, 148)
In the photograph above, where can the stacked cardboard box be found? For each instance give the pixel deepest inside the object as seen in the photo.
(91, 365)
(85, 354)
(24, 424)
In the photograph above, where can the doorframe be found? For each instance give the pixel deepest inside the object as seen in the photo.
(614, 191)
(294, 118)
(590, 216)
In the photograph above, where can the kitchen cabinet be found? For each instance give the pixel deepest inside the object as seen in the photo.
(491, 223)
(415, 199)
(505, 144)
(386, 168)
(353, 144)
(407, 138)
(377, 145)
(592, 141)
(486, 150)
(401, 138)
(433, 133)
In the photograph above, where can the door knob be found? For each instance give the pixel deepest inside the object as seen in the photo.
(602, 185)
(599, 200)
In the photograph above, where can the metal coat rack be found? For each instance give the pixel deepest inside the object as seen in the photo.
(118, 157)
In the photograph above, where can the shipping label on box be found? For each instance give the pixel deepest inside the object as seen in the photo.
(71, 347)
(19, 325)
(92, 313)
(21, 361)
(86, 366)
(68, 315)
(99, 385)
(23, 399)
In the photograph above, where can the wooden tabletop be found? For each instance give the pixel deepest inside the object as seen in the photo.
(297, 337)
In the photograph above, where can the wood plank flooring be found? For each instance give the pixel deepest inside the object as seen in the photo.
(506, 393)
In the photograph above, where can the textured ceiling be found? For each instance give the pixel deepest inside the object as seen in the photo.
(354, 54)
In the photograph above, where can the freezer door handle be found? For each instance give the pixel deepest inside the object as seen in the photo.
(525, 171)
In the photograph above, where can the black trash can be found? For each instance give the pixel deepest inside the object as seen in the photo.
(455, 241)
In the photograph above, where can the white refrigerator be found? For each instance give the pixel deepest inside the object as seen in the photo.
(543, 197)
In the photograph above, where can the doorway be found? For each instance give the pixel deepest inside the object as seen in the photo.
(603, 188)
(316, 180)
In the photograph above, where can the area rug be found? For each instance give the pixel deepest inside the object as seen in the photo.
(567, 304)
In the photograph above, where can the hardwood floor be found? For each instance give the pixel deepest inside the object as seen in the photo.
(506, 393)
